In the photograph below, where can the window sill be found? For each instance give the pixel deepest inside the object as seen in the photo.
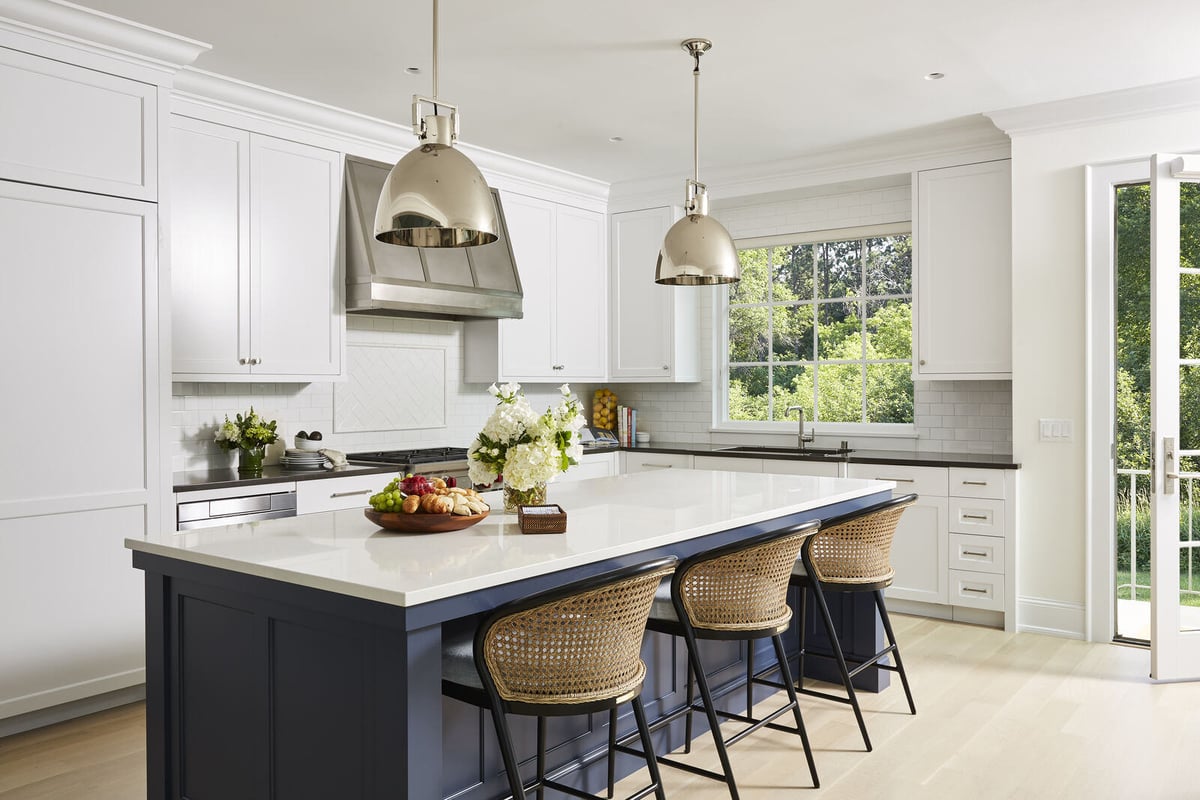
(827, 430)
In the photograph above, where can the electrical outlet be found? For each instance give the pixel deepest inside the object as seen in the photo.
(1055, 430)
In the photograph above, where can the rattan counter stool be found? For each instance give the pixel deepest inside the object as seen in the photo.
(571, 650)
(852, 553)
(734, 592)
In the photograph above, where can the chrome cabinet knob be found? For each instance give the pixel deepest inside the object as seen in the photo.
(243, 361)
(667, 367)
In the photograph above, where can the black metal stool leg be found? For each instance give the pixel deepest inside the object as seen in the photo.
(714, 723)
(691, 699)
(841, 661)
(612, 746)
(541, 758)
(887, 628)
(803, 631)
(507, 754)
(781, 656)
(750, 678)
(639, 713)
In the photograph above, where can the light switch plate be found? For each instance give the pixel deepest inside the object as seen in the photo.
(1056, 430)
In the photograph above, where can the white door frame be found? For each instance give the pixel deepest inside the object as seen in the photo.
(1100, 416)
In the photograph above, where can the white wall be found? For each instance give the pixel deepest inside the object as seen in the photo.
(1049, 346)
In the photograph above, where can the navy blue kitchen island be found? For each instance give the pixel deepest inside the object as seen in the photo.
(301, 658)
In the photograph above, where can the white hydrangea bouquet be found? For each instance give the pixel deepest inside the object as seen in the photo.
(527, 448)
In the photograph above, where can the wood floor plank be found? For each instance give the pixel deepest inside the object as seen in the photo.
(1000, 717)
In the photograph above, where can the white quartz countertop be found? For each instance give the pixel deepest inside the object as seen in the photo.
(343, 552)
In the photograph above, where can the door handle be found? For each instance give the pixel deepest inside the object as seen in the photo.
(1170, 476)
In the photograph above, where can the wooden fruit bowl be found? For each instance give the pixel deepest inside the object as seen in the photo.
(422, 523)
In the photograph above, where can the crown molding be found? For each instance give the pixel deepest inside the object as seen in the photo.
(223, 99)
(1092, 109)
(50, 25)
(962, 141)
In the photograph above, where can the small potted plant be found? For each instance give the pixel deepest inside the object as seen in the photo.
(528, 448)
(250, 435)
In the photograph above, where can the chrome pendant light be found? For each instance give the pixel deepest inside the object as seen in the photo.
(435, 196)
(697, 250)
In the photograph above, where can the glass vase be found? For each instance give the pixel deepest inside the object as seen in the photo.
(533, 496)
(250, 461)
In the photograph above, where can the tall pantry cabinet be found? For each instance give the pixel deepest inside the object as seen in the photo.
(80, 331)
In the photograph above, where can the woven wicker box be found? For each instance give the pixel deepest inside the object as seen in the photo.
(542, 519)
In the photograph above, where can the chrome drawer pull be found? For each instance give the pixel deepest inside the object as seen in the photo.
(657, 466)
(974, 553)
(350, 494)
(974, 483)
(974, 516)
(976, 591)
(898, 480)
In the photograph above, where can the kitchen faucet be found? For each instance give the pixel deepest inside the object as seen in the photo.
(801, 438)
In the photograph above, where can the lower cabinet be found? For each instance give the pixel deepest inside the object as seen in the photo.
(954, 550)
(335, 494)
(592, 465)
(633, 461)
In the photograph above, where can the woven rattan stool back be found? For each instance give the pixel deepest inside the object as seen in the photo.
(576, 649)
(858, 550)
(744, 588)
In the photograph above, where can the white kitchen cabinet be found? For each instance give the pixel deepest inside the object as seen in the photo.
(823, 469)
(77, 128)
(634, 461)
(921, 545)
(79, 321)
(963, 275)
(592, 465)
(728, 463)
(655, 329)
(335, 494)
(255, 271)
(559, 250)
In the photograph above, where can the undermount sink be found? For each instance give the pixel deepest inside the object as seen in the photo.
(807, 452)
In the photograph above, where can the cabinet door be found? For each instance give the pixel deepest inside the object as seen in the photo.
(642, 318)
(295, 279)
(963, 290)
(76, 128)
(526, 343)
(210, 221)
(580, 292)
(921, 552)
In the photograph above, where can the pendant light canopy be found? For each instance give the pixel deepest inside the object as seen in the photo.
(435, 196)
(697, 250)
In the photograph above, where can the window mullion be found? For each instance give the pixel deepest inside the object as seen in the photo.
(862, 320)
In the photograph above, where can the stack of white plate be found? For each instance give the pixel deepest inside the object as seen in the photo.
(302, 459)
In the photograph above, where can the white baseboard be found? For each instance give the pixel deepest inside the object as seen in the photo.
(59, 695)
(1051, 617)
(76, 708)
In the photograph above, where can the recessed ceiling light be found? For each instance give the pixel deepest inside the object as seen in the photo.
(616, 138)
(935, 76)
(413, 70)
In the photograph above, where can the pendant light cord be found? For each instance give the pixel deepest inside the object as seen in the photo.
(435, 50)
(695, 119)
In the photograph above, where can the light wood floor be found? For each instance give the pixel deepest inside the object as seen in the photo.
(999, 716)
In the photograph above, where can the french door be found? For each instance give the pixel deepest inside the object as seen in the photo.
(1175, 414)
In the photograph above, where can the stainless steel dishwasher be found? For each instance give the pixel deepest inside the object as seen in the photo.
(190, 515)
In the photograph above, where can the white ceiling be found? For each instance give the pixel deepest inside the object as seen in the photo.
(551, 81)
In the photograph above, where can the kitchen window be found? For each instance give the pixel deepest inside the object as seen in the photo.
(824, 322)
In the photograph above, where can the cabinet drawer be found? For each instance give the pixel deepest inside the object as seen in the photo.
(76, 128)
(977, 483)
(641, 462)
(333, 494)
(977, 589)
(729, 464)
(977, 515)
(977, 553)
(829, 469)
(922, 480)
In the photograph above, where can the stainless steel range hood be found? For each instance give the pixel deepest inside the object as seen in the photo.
(440, 283)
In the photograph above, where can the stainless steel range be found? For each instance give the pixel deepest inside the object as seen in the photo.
(437, 461)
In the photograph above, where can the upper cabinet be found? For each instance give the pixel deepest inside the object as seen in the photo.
(256, 279)
(963, 295)
(655, 329)
(77, 128)
(559, 250)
